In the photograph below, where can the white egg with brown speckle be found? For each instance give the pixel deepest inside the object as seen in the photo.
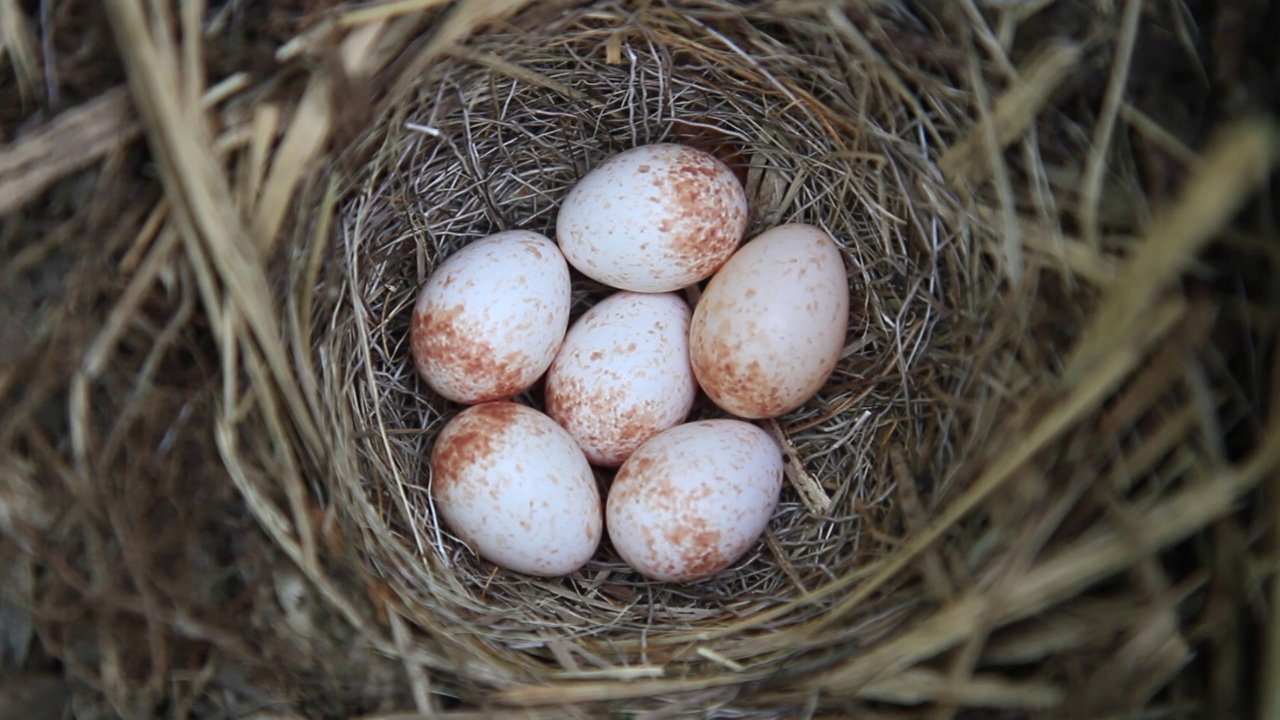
(653, 219)
(622, 374)
(770, 326)
(512, 484)
(489, 320)
(692, 500)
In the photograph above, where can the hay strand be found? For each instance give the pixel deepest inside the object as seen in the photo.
(1237, 163)
(76, 139)
(967, 160)
(18, 47)
(1064, 574)
(1127, 36)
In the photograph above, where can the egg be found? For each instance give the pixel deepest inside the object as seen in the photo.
(653, 219)
(770, 326)
(693, 499)
(489, 320)
(512, 484)
(622, 374)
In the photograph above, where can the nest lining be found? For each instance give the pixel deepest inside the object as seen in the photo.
(479, 149)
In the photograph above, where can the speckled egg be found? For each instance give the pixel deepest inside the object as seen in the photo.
(622, 374)
(769, 329)
(489, 320)
(653, 219)
(512, 484)
(691, 500)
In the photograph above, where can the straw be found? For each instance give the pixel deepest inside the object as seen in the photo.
(1038, 483)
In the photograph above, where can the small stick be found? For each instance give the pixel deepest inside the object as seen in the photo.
(784, 561)
(811, 492)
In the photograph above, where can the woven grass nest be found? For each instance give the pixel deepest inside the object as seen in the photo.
(1040, 483)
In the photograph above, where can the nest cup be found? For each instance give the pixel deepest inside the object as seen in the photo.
(494, 141)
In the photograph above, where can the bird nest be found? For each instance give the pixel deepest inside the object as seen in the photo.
(1022, 483)
(476, 151)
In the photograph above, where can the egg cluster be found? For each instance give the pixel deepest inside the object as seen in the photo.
(689, 498)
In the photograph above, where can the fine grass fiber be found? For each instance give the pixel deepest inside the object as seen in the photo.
(1040, 483)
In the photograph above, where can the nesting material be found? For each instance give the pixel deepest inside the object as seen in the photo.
(939, 370)
(1033, 484)
(503, 153)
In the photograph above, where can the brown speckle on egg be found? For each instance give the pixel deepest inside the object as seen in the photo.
(750, 390)
(693, 499)
(470, 440)
(710, 221)
(490, 318)
(700, 552)
(770, 326)
(516, 488)
(601, 419)
(465, 367)
(640, 467)
(655, 218)
(636, 425)
(623, 374)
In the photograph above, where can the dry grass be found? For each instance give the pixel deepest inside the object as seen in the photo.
(1028, 489)
(480, 148)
